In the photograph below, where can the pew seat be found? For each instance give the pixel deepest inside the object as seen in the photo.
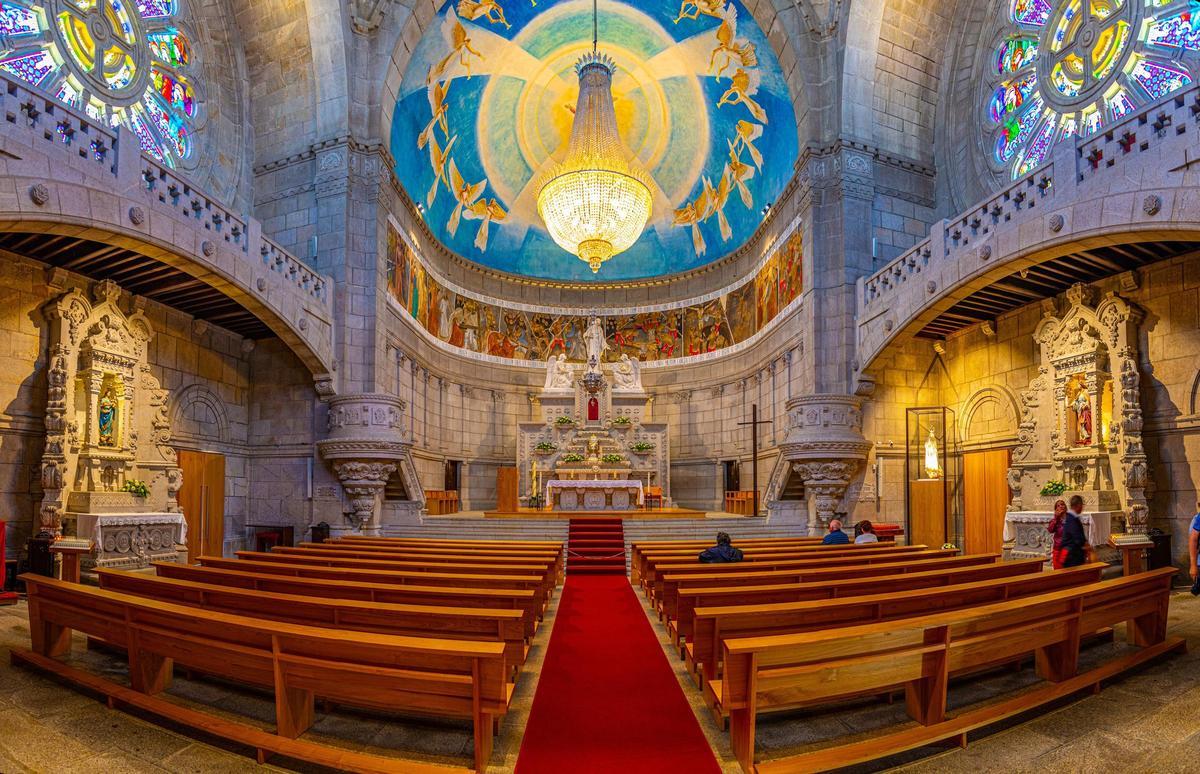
(424, 676)
(920, 655)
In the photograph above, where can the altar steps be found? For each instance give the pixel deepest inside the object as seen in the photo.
(596, 547)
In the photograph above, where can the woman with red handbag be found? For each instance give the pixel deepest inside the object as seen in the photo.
(1058, 554)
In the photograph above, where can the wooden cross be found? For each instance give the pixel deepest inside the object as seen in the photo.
(753, 424)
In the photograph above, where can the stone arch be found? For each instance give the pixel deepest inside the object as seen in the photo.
(194, 410)
(990, 414)
(1194, 396)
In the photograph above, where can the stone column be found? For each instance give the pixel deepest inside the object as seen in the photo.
(825, 447)
(366, 444)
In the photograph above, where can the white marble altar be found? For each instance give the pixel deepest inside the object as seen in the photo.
(1026, 535)
(133, 540)
(596, 495)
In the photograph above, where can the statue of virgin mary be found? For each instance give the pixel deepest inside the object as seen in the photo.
(107, 418)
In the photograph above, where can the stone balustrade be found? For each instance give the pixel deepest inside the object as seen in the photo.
(61, 172)
(1125, 183)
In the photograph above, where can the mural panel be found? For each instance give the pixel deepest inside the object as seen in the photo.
(487, 101)
(696, 329)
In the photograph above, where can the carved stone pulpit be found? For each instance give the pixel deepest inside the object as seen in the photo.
(109, 474)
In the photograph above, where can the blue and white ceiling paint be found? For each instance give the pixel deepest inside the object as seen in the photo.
(487, 100)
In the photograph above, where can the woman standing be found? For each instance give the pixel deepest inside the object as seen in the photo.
(1058, 554)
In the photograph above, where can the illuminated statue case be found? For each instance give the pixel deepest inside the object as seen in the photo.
(933, 477)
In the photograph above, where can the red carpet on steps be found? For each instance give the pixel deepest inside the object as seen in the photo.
(608, 700)
(596, 547)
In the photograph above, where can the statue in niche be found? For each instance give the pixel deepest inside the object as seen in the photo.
(627, 373)
(559, 373)
(107, 418)
(933, 468)
(595, 343)
(1083, 419)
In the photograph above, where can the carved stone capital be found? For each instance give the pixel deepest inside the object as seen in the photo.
(825, 427)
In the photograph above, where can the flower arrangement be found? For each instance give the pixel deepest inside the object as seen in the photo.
(572, 457)
(642, 447)
(546, 446)
(136, 488)
(1053, 488)
(564, 420)
(622, 421)
(612, 458)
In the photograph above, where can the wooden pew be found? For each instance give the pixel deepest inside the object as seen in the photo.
(362, 545)
(640, 553)
(300, 663)
(666, 585)
(720, 596)
(394, 577)
(636, 549)
(653, 566)
(764, 674)
(524, 600)
(544, 572)
(444, 622)
(937, 560)
(423, 555)
(713, 625)
(444, 541)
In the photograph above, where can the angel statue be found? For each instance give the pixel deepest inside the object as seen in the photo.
(559, 373)
(627, 374)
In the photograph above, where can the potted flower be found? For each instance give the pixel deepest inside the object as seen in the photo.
(136, 488)
(545, 447)
(612, 459)
(622, 423)
(1053, 488)
(642, 447)
(572, 457)
(564, 421)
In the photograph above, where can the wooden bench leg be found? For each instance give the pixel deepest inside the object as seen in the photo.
(294, 710)
(741, 737)
(47, 638)
(1060, 661)
(1149, 629)
(149, 673)
(483, 741)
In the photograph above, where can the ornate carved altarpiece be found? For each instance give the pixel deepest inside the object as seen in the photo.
(107, 425)
(1081, 424)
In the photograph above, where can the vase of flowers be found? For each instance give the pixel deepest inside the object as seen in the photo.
(136, 488)
(612, 459)
(642, 447)
(545, 447)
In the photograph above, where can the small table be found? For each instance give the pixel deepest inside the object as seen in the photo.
(71, 551)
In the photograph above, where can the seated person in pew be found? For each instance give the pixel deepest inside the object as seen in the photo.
(864, 533)
(835, 536)
(723, 552)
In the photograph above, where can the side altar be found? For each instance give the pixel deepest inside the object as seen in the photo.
(592, 443)
(1080, 431)
(109, 474)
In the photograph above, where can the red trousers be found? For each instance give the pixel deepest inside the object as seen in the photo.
(1057, 557)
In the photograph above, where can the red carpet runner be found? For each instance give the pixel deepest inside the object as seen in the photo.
(596, 547)
(608, 700)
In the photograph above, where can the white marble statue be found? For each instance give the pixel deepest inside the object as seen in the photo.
(627, 374)
(595, 343)
(560, 375)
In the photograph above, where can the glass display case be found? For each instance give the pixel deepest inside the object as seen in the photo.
(933, 477)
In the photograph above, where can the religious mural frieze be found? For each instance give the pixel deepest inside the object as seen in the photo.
(476, 325)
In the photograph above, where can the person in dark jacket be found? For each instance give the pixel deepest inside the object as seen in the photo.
(722, 552)
(1057, 553)
(1073, 538)
(835, 536)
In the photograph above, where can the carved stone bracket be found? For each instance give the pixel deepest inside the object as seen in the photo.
(367, 443)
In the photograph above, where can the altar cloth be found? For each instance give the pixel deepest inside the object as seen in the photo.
(595, 495)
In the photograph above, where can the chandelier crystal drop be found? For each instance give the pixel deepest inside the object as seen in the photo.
(596, 201)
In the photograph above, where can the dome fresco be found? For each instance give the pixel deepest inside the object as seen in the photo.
(487, 100)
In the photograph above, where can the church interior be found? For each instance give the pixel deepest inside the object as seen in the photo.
(550, 386)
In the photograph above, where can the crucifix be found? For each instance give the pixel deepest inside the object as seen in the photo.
(753, 424)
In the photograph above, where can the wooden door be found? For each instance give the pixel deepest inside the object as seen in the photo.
(202, 498)
(985, 500)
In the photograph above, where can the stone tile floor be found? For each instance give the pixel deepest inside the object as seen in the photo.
(1147, 722)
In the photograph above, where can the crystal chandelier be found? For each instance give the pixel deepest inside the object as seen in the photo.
(596, 202)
